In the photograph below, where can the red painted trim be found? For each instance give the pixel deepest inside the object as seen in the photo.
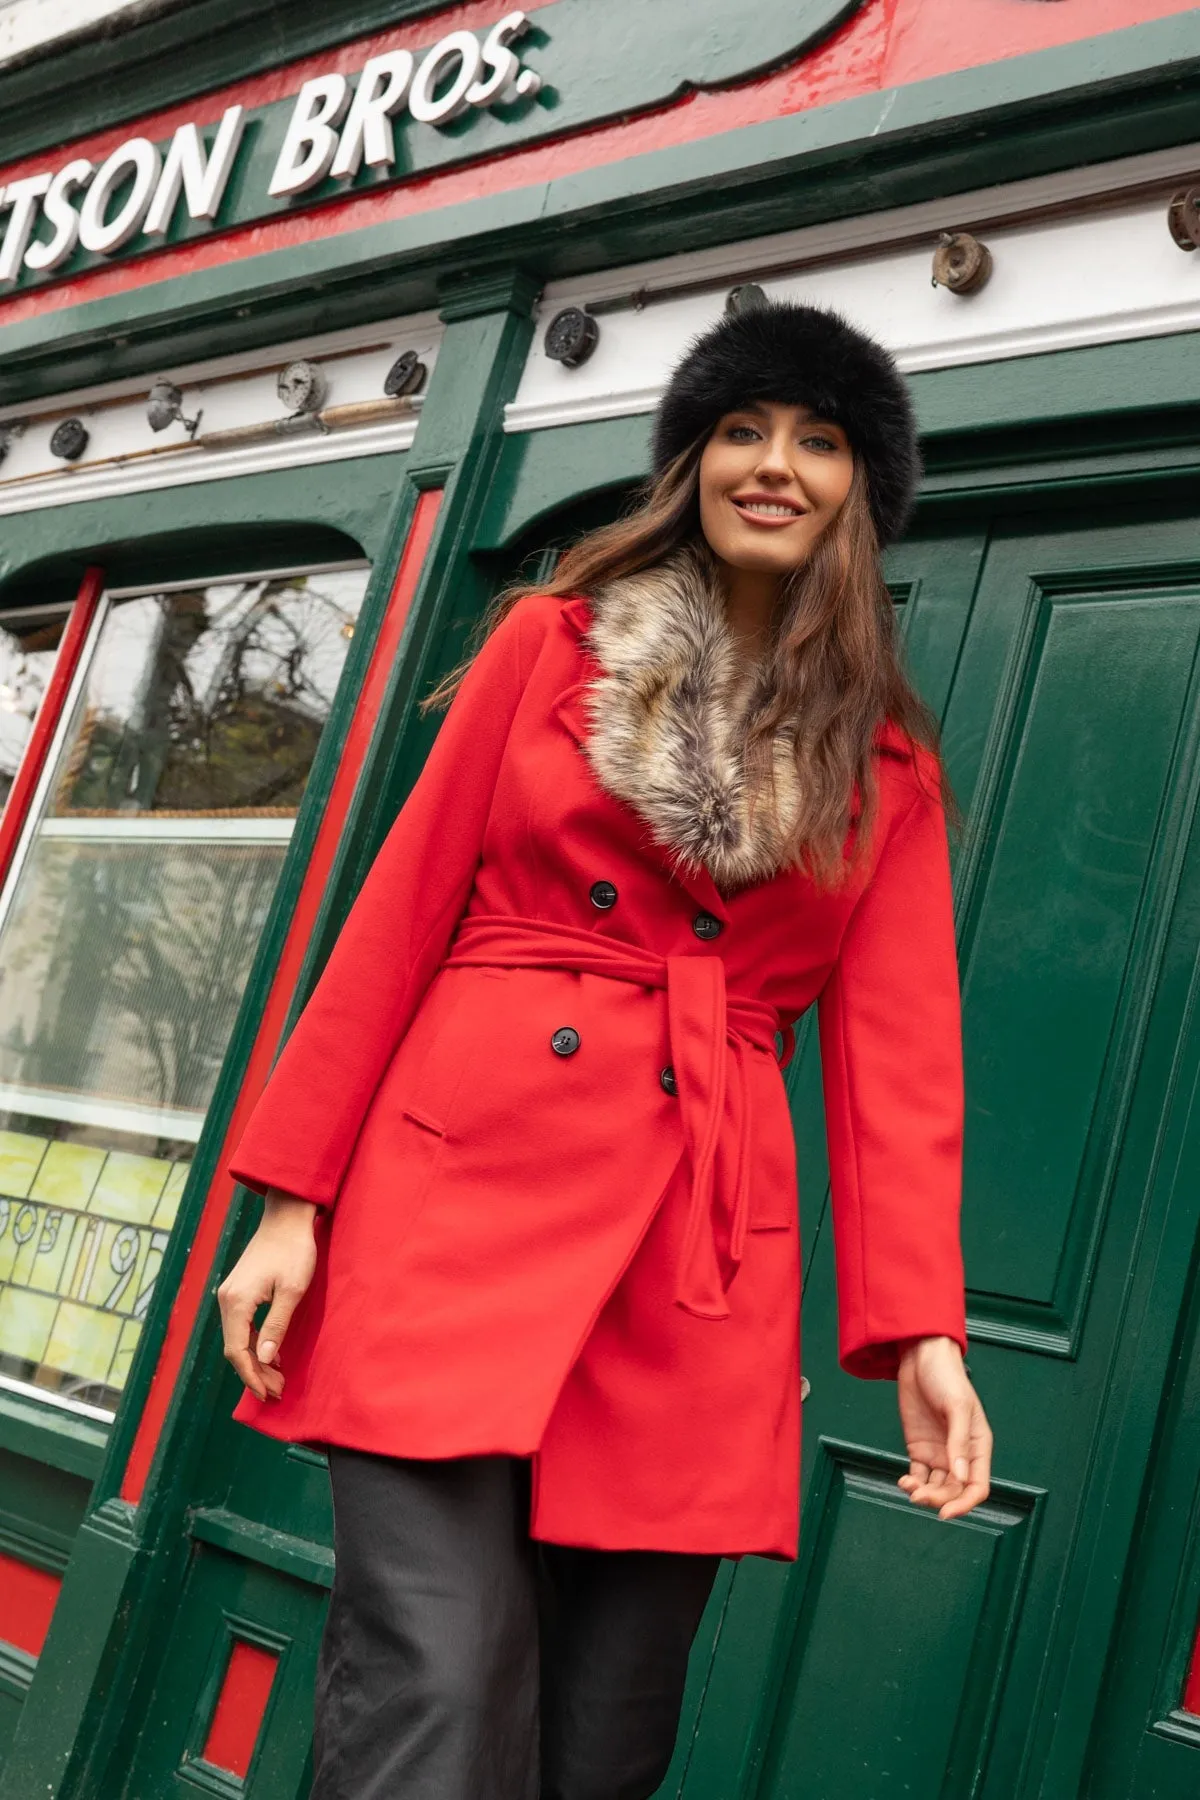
(29, 770)
(27, 1600)
(238, 1715)
(888, 43)
(194, 1287)
(1191, 1687)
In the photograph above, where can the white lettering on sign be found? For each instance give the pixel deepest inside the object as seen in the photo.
(458, 56)
(367, 134)
(58, 212)
(311, 142)
(202, 178)
(146, 186)
(456, 74)
(333, 131)
(22, 196)
(97, 231)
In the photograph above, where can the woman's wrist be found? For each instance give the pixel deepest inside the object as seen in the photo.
(910, 1348)
(288, 1210)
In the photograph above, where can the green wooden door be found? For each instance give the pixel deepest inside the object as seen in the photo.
(901, 1655)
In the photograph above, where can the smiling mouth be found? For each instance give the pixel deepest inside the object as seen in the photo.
(770, 509)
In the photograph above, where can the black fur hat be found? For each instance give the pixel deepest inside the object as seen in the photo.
(800, 356)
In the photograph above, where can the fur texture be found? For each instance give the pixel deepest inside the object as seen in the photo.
(801, 356)
(668, 719)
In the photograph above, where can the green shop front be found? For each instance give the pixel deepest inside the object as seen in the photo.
(316, 327)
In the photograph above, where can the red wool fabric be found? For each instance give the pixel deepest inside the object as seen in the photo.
(553, 1256)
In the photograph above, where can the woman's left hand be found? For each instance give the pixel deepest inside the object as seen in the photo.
(946, 1431)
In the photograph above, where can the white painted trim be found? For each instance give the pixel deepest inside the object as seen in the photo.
(586, 410)
(68, 488)
(537, 416)
(997, 347)
(1062, 280)
(29, 1391)
(416, 329)
(148, 828)
(110, 1115)
(239, 408)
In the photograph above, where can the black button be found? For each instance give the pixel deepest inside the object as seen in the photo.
(669, 1083)
(706, 926)
(565, 1041)
(603, 895)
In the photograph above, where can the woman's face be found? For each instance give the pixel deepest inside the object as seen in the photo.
(772, 478)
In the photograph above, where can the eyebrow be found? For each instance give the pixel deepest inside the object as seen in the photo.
(760, 410)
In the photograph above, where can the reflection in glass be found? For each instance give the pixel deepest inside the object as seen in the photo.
(123, 965)
(126, 938)
(209, 699)
(29, 640)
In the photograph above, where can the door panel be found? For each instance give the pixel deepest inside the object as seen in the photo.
(901, 1653)
(872, 1567)
(1147, 1745)
(1057, 968)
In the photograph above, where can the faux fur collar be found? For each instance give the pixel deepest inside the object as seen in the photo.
(668, 718)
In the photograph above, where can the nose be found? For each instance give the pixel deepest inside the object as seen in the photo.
(774, 461)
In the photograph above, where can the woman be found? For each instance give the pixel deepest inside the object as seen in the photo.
(552, 1337)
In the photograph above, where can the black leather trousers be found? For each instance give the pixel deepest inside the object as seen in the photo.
(462, 1661)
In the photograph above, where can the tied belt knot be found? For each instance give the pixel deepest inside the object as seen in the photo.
(709, 1030)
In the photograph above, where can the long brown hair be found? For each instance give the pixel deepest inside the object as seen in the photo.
(837, 665)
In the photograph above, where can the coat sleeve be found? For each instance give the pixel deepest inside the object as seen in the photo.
(303, 1129)
(891, 1058)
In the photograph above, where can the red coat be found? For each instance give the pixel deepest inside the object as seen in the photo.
(537, 1247)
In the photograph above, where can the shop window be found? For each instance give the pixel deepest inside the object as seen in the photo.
(128, 926)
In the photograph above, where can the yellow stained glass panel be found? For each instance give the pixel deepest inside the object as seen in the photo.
(172, 1194)
(20, 1155)
(131, 1331)
(26, 1321)
(83, 1340)
(68, 1174)
(129, 1187)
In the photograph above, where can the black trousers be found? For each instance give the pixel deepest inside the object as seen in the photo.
(462, 1661)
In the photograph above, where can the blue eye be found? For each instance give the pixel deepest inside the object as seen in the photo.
(818, 442)
(740, 433)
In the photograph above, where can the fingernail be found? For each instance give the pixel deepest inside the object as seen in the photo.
(266, 1352)
(961, 1467)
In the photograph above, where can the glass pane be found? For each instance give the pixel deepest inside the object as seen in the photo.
(209, 699)
(123, 965)
(126, 939)
(29, 641)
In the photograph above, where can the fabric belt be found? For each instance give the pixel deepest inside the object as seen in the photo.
(709, 1030)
